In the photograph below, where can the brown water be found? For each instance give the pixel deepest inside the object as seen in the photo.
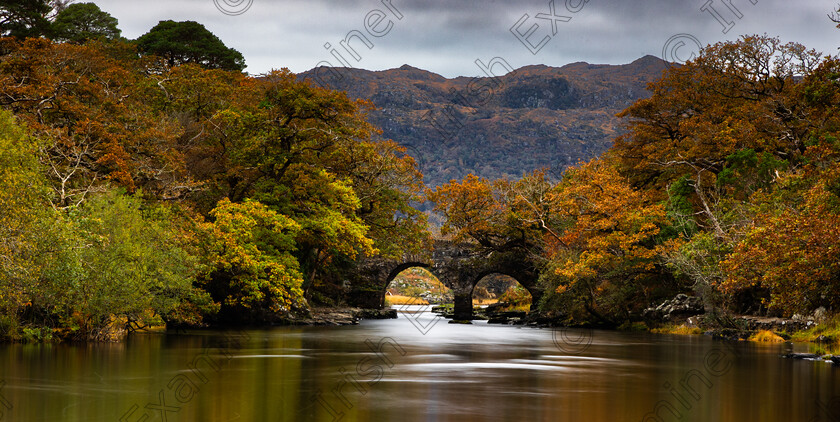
(452, 372)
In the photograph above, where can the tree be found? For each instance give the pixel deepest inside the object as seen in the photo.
(604, 259)
(115, 263)
(94, 102)
(790, 248)
(253, 271)
(305, 152)
(742, 143)
(81, 22)
(717, 131)
(277, 147)
(24, 199)
(189, 42)
(24, 18)
(499, 215)
(735, 96)
(793, 250)
(470, 209)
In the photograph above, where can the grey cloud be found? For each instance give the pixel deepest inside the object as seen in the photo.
(447, 36)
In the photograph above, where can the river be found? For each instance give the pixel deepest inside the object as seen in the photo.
(414, 368)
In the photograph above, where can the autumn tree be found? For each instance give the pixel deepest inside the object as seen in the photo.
(708, 123)
(790, 249)
(253, 271)
(716, 131)
(603, 247)
(94, 103)
(239, 152)
(499, 215)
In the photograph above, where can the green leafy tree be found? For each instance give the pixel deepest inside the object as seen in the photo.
(81, 22)
(189, 42)
(23, 204)
(305, 152)
(253, 271)
(308, 153)
(24, 18)
(115, 263)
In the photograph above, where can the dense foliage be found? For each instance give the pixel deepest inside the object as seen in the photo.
(81, 22)
(139, 190)
(189, 42)
(726, 186)
(152, 183)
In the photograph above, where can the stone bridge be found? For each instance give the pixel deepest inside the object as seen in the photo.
(458, 266)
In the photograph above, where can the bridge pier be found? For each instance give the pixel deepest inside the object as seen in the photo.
(463, 306)
(536, 295)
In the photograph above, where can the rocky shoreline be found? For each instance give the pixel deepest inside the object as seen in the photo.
(340, 316)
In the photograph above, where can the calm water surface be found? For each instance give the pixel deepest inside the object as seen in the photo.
(391, 371)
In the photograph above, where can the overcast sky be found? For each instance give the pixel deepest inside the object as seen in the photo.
(448, 36)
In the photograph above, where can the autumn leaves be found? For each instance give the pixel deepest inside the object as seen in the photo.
(181, 194)
(726, 183)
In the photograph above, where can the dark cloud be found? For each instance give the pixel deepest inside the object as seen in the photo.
(447, 36)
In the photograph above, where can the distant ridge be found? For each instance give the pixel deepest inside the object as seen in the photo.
(535, 117)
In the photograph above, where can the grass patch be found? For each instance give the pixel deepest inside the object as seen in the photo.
(509, 307)
(766, 336)
(827, 332)
(404, 300)
(677, 329)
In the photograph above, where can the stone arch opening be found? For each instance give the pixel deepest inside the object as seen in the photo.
(501, 291)
(414, 283)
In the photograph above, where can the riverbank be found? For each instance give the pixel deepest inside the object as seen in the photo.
(821, 332)
(340, 316)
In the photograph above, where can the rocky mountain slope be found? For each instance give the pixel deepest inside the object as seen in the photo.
(535, 117)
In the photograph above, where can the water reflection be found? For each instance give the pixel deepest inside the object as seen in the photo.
(390, 370)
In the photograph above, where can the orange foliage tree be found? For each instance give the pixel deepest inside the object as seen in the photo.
(93, 103)
(793, 251)
(603, 252)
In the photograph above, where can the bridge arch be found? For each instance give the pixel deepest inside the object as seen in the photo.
(404, 266)
(527, 282)
(398, 269)
(458, 266)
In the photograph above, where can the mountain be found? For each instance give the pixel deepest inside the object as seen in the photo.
(535, 117)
